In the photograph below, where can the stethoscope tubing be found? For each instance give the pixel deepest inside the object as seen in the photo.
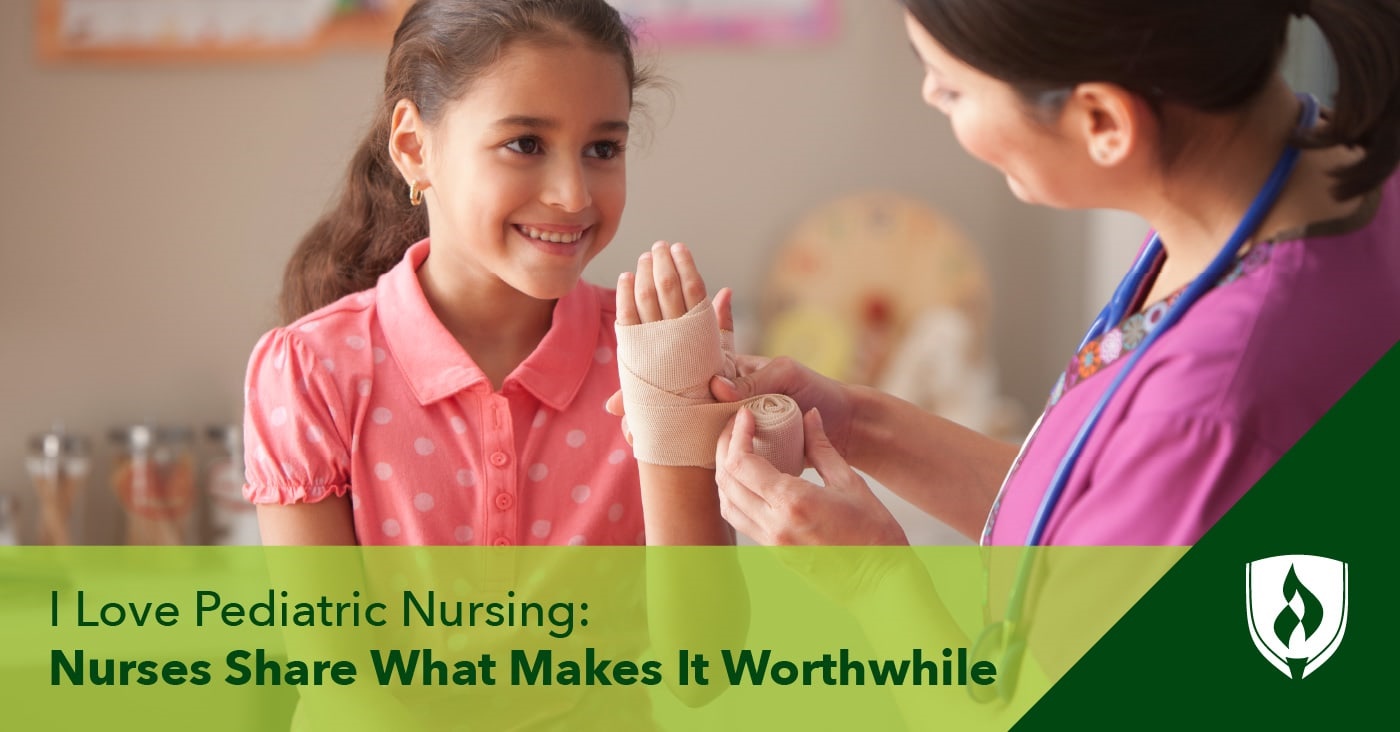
(1125, 295)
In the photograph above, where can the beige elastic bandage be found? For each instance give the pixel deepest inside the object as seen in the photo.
(666, 367)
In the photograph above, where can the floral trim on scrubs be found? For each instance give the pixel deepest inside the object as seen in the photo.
(1126, 337)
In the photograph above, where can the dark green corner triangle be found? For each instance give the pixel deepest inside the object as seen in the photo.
(1183, 658)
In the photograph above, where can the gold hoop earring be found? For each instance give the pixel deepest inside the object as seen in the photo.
(415, 194)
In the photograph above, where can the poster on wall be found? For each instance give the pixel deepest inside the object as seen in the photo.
(730, 22)
(166, 31)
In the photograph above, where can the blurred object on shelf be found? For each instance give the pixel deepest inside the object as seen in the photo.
(935, 364)
(9, 520)
(232, 519)
(199, 30)
(879, 289)
(58, 464)
(153, 477)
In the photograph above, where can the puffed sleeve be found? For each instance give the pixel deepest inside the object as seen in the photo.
(1163, 481)
(294, 451)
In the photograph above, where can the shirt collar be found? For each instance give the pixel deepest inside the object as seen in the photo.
(435, 364)
(555, 371)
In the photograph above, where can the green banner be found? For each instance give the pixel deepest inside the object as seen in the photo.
(1277, 618)
(545, 638)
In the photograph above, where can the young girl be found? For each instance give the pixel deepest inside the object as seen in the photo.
(443, 371)
(1271, 287)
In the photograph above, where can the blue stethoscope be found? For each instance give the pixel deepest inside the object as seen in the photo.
(1004, 633)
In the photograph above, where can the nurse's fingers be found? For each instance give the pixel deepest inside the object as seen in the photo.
(626, 302)
(669, 295)
(741, 507)
(742, 522)
(734, 440)
(648, 309)
(822, 455)
(692, 284)
(747, 477)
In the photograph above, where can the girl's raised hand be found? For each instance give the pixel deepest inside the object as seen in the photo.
(667, 285)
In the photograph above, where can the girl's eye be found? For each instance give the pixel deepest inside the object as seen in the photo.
(605, 150)
(525, 146)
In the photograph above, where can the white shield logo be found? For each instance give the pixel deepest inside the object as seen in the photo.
(1297, 610)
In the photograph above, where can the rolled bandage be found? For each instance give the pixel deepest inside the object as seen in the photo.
(665, 368)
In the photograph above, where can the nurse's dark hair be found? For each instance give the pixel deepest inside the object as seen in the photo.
(1206, 54)
(439, 49)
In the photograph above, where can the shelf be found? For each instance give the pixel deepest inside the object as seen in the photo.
(84, 31)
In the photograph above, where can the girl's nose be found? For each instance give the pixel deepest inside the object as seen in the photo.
(567, 188)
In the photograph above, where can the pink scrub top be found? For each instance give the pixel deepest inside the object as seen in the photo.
(1219, 397)
(371, 397)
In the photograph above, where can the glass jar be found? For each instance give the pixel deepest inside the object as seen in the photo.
(58, 464)
(153, 477)
(9, 520)
(232, 519)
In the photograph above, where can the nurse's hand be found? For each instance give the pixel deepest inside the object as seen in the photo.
(782, 375)
(774, 508)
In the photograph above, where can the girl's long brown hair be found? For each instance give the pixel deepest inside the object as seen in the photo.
(440, 47)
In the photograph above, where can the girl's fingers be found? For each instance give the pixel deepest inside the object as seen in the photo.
(615, 405)
(648, 309)
(667, 281)
(692, 284)
(723, 308)
(626, 301)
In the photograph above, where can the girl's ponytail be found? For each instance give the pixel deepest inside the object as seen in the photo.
(1364, 36)
(363, 236)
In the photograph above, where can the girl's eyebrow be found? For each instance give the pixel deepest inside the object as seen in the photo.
(541, 123)
(520, 120)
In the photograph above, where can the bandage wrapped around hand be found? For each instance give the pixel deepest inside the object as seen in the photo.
(666, 367)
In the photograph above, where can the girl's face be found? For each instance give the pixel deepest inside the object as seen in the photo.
(527, 172)
(991, 123)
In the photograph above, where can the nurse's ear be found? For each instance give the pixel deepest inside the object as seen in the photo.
(1111, 122)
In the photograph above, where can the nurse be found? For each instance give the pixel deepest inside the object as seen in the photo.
(1271, 283)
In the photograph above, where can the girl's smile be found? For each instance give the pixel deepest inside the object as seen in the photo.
(553, 239)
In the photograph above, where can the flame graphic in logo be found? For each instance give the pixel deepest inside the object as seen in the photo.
(1296, 627)
(1288, 620)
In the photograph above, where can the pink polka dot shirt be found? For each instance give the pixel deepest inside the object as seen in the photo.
(370, 396)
